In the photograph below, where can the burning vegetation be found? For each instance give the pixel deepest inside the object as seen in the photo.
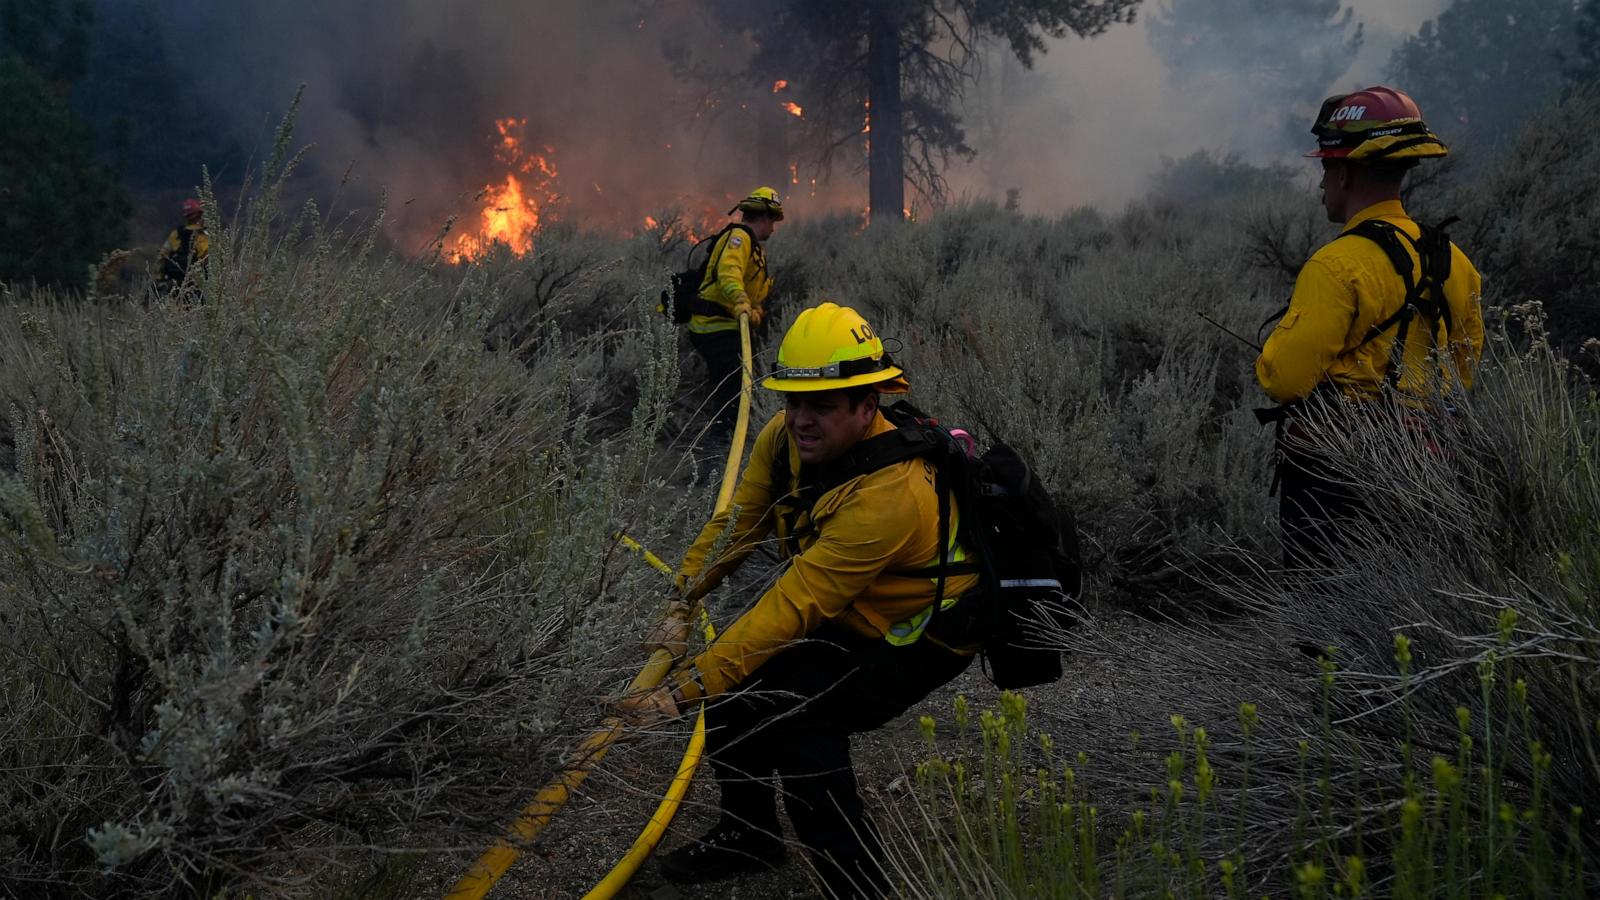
(514, 207)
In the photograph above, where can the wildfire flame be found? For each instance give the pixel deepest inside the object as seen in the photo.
(779, 85)
(794, 108)
(512, 209)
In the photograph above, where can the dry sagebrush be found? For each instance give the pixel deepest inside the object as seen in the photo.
(302, 571)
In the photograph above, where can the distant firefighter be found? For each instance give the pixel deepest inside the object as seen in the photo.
(1387, 313)
(736, 282)
(186, 247)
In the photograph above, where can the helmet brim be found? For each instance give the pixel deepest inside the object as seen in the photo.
(892, 379)
(776, 212)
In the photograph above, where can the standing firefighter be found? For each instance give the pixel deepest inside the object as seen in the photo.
(186, 247)
(735, 282)
(842, 643)
(1386, 312)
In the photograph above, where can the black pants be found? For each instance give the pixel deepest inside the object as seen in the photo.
(1316, 508)
(794, 717)
(720, 350)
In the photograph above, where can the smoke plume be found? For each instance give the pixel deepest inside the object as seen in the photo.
(407, 95)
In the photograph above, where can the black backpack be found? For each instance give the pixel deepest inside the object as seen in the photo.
(1026, 544)
(681, 299)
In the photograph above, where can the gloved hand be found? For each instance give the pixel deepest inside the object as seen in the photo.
(642, 709)
(671, 633)
(743, 308)
(757, 316)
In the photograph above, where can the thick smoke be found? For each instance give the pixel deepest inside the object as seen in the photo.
(406, 94)
(1096, 118)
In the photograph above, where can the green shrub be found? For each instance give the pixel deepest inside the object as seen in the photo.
(1001, 813)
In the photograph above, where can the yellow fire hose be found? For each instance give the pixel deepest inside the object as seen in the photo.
(553, 796)
(646, 842)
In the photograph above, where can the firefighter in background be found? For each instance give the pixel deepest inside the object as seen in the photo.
(735, 282)
(1388, 311)
(186, 247)
(838, 645)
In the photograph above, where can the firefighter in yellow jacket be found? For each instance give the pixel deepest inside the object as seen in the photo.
(186, 248)
(1386, 312)
(841, 643)
(736, 281)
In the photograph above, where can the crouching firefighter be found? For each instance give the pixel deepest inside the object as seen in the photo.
(839, 644)
(1387, 312)
(877, 605)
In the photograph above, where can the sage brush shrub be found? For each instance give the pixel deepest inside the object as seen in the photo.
(1486, 510)
(1528, 219)
(302, 571)
(1000, 811)
(1442, 746)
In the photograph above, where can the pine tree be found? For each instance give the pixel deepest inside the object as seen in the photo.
(1483, 66)
(885, 77)
(59, 209)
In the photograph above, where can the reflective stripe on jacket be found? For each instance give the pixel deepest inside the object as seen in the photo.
(741, 272)
(1347, 287)
(874, 524)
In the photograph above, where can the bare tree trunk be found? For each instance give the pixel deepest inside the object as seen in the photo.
(772, 144)
(886, 172)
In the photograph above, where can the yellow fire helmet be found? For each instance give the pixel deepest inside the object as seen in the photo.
(761, 200)
(831, 347)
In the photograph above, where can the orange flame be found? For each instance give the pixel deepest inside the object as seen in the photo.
(794, 173)
(651, 223)
(779, 85)
(512, 211)
(794, 108)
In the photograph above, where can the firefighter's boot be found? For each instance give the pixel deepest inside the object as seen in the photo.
(727, 850)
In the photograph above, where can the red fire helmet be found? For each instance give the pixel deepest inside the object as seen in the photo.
(192, 208)
(1375, 124)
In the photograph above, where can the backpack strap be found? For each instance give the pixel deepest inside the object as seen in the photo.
(1423, 295)
(906, 441)
(700, 306)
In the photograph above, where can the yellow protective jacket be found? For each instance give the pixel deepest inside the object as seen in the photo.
(874, 524)
(173, 266)
(1347, 287)
(740, 274)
